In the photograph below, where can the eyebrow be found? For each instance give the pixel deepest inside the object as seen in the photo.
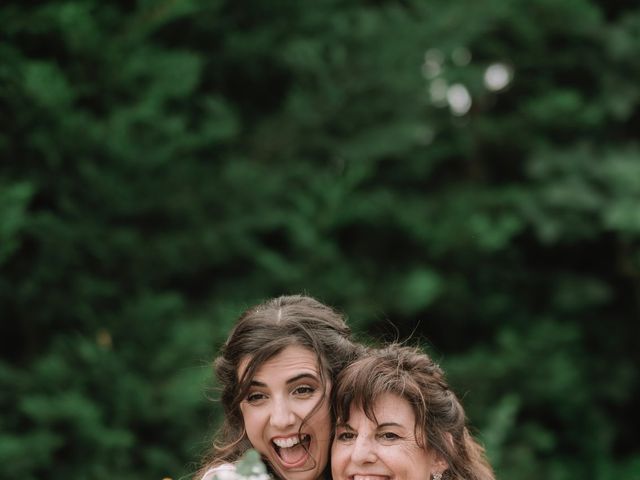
(344, 425)
(382, 425)
(255, 383)
(390, 424)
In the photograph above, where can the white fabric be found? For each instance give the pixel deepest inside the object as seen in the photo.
(226, 471)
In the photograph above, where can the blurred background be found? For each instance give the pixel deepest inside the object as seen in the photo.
(464, 173)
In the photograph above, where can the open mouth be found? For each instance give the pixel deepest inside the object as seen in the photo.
(292, 451)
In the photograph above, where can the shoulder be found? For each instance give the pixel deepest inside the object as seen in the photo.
(224, 471)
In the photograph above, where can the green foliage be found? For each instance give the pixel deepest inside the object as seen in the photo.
(250, 464)
(166, 163)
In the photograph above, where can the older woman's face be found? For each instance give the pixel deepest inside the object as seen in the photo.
(386, 450)
(284, 391)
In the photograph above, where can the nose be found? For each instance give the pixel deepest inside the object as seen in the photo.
(363, 451)
(282, 416)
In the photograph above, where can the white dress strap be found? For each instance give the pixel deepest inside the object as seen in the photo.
(226, 471)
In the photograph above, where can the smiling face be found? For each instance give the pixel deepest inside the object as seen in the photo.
(382, 450)
(284, 391)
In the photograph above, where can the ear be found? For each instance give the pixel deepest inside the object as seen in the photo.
(440, 464)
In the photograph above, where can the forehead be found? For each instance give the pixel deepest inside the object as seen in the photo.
(293, 357)
(387, 408)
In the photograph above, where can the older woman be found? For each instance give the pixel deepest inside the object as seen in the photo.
(397, 418)
(276, 371)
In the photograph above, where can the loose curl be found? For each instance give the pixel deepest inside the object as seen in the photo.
(260, 333)
(440, 419)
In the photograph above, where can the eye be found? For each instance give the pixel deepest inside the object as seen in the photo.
(346, 436)
(255, 397)
(304, 390)
(389, 436)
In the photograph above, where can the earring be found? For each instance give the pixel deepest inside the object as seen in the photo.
(437, 476)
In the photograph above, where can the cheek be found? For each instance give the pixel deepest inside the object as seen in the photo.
(251, 423)
(322, 423)
(337, 452)
(339, 459)
(417, 459)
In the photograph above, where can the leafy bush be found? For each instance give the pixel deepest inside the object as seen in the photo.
(463, 172)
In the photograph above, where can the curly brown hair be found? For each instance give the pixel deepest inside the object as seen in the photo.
(411, 374)
(260, 333)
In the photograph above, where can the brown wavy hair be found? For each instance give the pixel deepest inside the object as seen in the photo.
(440, 419)
(260, 333)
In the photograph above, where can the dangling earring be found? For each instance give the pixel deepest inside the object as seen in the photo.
(436, 476)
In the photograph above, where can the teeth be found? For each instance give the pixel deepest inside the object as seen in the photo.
(289, 442)
(286, 442)
(369, 477)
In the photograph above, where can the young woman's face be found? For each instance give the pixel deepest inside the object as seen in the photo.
(283, 392)
(386, 450)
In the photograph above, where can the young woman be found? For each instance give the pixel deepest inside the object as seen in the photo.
(276, 371)
(397, 418)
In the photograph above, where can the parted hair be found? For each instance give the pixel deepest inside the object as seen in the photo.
(260, 333)
(411, 374)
